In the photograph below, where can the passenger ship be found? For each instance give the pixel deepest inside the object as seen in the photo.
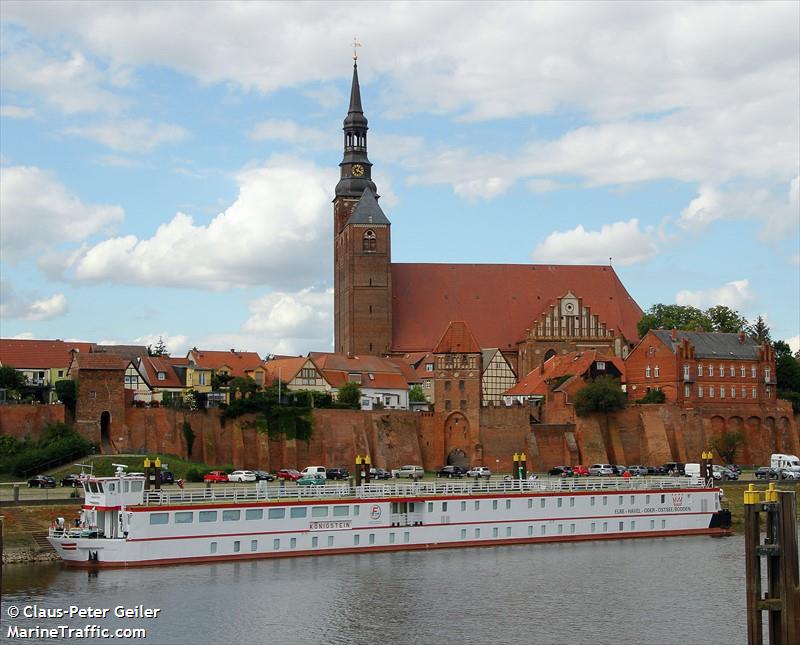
(122, 524)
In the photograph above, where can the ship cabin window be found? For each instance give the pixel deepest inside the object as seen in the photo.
(463, 534)
(391, 538)
(560, 502)
(254, 514)
(111, 487)
(136, 486)
(572, 501)
(319, 511)
(572, 528)
(633, 525)
(276, 544)
(159, 518)
(495, 531)
(622, 526)
(231, 515)
(213, 547)
(542, 529)
(530, 502)
(508, 531)
(237, 546)
(662, 498)
(494, 504)
(605, 500)
(298, 511)
(647, 499)
(560, 529)
(341, 511)
(463, 506)
(430, 507)
(254, 545)
(444, 507)
(276, 513)
(477, 505)
(605, 526)
(126, 486)
(542, 502)
(315, 542)
(619, 500)
(593, 527)
(663, 524)
(530, 529)
(477, 533)
(356, 540)
(592, 501)
(184, 517)
(208, 516)
(407, 537)
(508, 504)
(652, 524)
(356, 510)
(372, 538)
(633, 499)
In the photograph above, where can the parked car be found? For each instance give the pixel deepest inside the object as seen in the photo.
(580, 470)
(216, 477)
(337, 473)
(410, 472)
(655, 470)
(638, 470)
(72, 480)
(479, 471)
(264, 476)
(42, 481)
(601, 469)
(560, 471)
(451, 471)
(167, 477)
(765, 472)
(725, 473)
(787, 473)
(736, 468)
(288, 474)
(242, 476)
(379, 473)
(619, 469)
(311, 480)
(673, 468)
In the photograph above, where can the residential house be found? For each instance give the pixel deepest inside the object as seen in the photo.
(497, 376)
(296, 373)
(418, 370)
(382, 382)
(233, 363)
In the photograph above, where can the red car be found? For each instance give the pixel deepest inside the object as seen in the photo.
(580, 470)
(216, 476)
(288, 473)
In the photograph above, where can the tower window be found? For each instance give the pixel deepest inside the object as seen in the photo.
(370, 241)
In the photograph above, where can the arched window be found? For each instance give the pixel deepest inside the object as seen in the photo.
(550, 353)
(370, 241)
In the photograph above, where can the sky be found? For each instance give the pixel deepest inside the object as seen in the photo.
(167, 169)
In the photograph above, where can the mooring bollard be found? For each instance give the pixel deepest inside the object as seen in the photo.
(16, 493)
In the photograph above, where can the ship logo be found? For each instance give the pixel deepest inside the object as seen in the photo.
(677, 500)
(375, 512)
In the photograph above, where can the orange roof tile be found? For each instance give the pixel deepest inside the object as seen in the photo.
(284, 368)
(152, 365)
(39, 354)
(499, 301)
(376, 372)
(238, 362)
(457, 339)
(575, 363)
(101, 361)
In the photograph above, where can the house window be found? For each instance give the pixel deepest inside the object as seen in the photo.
(448, 405)
(753, 371)
(699, 391)
(162, 376)
(428, 367)
(722, 391)
(686, 370)
(733, 371)
(699, 369)
(767, 391)
(733, 392)
(601, 366)
(722, 370)
(710, 391)
(754, 393)
(656, 371)
(354, 377)
(461, 385)
(462, 404)
(741, 371)
(369, 242)
(687, 391)
(201, 378)
(61, 372)
(766, 374)
(744, 392)
(447, 386)
(427, 384)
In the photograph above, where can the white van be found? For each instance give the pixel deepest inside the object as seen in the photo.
(790, 462)
(314, 471)
(691, 470)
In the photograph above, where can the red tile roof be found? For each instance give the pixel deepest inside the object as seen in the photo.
(39, 354)
(239, 362)
(575, 363)
(499, 301)
(457, 339)
(409, 373)
(336, 367)
(285, 368)
(152, 365)
(101, 361)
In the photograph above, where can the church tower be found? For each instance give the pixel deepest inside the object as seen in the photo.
(361, 246)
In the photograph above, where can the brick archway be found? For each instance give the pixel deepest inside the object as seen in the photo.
(457, 436)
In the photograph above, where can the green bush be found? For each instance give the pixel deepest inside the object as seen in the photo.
(604, 394)
(350, 395)
(653, 396)
(793, 397)
(194, 474)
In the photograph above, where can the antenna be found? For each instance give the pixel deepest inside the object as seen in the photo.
(120, 469)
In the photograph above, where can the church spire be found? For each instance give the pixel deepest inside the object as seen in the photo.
(356, 170)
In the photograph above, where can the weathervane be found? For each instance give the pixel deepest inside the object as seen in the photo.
(355, 44)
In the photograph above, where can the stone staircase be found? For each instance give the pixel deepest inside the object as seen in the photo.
(30, 526)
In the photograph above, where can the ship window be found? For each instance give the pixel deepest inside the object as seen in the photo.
(593, 527)
(184, 517)
(319, 511)
(444, 507)
(662, 499)
(231, 516)
(572, 528)
(530, 502)
(315, 542)
(372, 538)
(341, 511)
(530, 529)
(619, 500)
(652, 524)
(477, 533)
(276, 544)
(356, 510)
(572, 501)
(254, 514)
(463, 506)
(560, 502)
(605, 500)
(633, 499)
(391, 538)
(136, 486)
(254, 545)
(542, 502)
(591, 501)
(430, 507)
(208, 516)
(406, 537)
(663, 524)
(298, 511)
(494, 531)
(111, 487)
(213, 547)
(126, 486)
(99, 487)
(542, 529)
(508, 531)
(508, 504)
(237, 546)
(633, 525)
(463, 534)
(560, 529)
(622, 526)
(356, 539)
(159, 518)
(276, 513)
(605, 526)
(477, 505)
(647, 499)
(494, 504)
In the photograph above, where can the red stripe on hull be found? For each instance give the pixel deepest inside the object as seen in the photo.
(397, 547)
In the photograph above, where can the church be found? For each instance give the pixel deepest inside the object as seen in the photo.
(525, 313)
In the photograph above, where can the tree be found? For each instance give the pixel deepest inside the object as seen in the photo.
(242, 386)
(653, 396)
(159, 350)
(12, 380)
(415, 394)
(727, 444)
(726, 320)
(350, 394)
(759, 331)
(661, 316)
(604, 394)
(66, 391)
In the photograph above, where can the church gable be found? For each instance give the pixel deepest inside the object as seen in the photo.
(568, 318)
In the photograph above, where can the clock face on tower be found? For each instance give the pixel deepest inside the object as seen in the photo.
(358, 170)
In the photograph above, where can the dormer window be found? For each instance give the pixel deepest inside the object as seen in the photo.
(162, 376)
(354, 377)
(370, 241)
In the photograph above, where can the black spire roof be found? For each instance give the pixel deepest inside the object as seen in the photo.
(367, 211)
(355, 114)
(356, 170)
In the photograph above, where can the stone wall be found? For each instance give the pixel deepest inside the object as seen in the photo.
(20, 421)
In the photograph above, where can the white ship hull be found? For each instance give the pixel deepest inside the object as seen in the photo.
(209, 526)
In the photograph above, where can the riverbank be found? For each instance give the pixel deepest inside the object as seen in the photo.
(25, 528)
(734, 497)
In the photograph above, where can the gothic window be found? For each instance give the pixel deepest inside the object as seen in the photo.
(550, 353)
(370, 241)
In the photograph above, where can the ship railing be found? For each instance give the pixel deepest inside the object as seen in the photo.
(406, 519)
(248, 493)
(72, 533)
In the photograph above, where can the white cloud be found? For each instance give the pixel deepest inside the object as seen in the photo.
(26, 306)
(625, 242)
(276, 233)
(17, 112)
(703, 209)
(290, 132)
(37, 213)
(25, 335)
(328, 96)
(736, 295)
(138, 135)
(794, 343)
(176, 344)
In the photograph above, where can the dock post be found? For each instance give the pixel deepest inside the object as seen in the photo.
(357, 470)
(782, 599)
(16, 493)
(523, 466)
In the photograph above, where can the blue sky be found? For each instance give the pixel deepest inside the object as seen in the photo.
(167, 168)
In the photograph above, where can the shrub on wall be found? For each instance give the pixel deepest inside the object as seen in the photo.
(604, 394)
(58, 444)
(653, 396)
(189, 436)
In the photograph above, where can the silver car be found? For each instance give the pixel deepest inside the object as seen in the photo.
(601, 469)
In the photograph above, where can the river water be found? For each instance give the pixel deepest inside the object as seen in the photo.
(684, 591)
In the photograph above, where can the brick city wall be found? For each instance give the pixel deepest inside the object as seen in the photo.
(22, 421)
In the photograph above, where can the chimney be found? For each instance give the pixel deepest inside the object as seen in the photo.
(674, 334)
(741, 338)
